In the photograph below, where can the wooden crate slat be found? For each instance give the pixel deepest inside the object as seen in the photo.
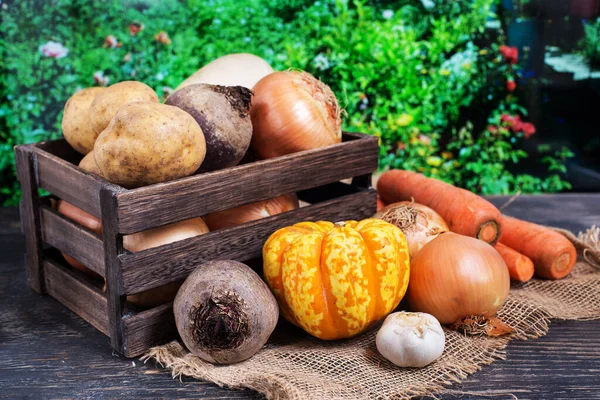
(76, 294)
(163, 203)
(68, 182)
(113, 247)
(30, 216)
(73, 239)
(149, 328)
(172, 262)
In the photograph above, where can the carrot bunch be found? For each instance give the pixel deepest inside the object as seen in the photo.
(527, 248)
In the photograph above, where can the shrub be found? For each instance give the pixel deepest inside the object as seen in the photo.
(411, 72)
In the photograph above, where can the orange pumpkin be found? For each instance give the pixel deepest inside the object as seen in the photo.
(336, 280)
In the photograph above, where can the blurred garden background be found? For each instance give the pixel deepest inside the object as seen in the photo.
(496, 96)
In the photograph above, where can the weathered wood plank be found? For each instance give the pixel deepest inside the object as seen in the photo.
(77, 294)
(172, 262)
(163, 203)
(149, 328)
(73, 239)
(113, 247)
(25, 159)
(68, 182)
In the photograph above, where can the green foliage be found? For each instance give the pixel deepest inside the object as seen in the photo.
(591, 41)
(407, 71)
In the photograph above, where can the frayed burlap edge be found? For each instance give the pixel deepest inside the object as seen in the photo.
(294, 365)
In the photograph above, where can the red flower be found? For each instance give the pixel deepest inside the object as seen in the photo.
(528, 129)
(135, 28)
(511, 85)
(511, 54)
(492, 129)
(512, 121)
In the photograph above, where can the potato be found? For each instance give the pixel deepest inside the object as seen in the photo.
(88, 163)
(106, 104)
(223, 114)
(76, 124)
(147, 143)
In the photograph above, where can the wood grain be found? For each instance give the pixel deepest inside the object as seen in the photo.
(73, 239)
(68, 182)
(197, 195)
(77, 293)
(113, 247)
(172, 262)
(149, 328)
(46, 351)
(25, 160)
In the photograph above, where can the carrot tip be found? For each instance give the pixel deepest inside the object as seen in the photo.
(489, 232)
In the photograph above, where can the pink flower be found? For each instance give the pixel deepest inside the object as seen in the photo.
(100, 78)
(528, 129)
(424, 139)
(127, 57)
(510, 54)
(162, 37)
(135, 28)
(511, 85)
(492, 129)
(54, 50)
(111, 42)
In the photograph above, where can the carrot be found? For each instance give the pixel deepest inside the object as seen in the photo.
(520, 267)
(465, 212)
(552, 254)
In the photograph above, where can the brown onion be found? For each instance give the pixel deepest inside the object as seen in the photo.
(456, 276)
(420, 224)
(293, 111)
(251, 212)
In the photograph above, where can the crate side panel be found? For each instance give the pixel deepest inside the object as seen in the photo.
(73, 239)
(149, 328)
(77, 294)
(172, 262)
(168, 202)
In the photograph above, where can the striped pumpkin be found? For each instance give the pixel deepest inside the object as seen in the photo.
(336, 280)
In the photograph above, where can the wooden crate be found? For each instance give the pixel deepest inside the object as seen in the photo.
(315, 175)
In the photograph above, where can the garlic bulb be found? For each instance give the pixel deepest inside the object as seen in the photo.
(411, 339)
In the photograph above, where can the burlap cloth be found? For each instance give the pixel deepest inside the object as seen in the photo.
(294, 365)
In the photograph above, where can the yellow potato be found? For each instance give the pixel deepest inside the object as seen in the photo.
(105, 105)
(76, 125)
(88, 163)
(147, 143)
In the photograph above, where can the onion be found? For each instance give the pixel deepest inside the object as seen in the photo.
(164, 234)
(456, 276)
(420, 224)
(293, 111)
(251, 212)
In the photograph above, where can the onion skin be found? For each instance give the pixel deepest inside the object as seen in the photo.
(419, 223)
(251, 212)
(456, 276)
(293, 111)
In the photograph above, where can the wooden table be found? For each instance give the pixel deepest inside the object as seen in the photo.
(46, 351)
